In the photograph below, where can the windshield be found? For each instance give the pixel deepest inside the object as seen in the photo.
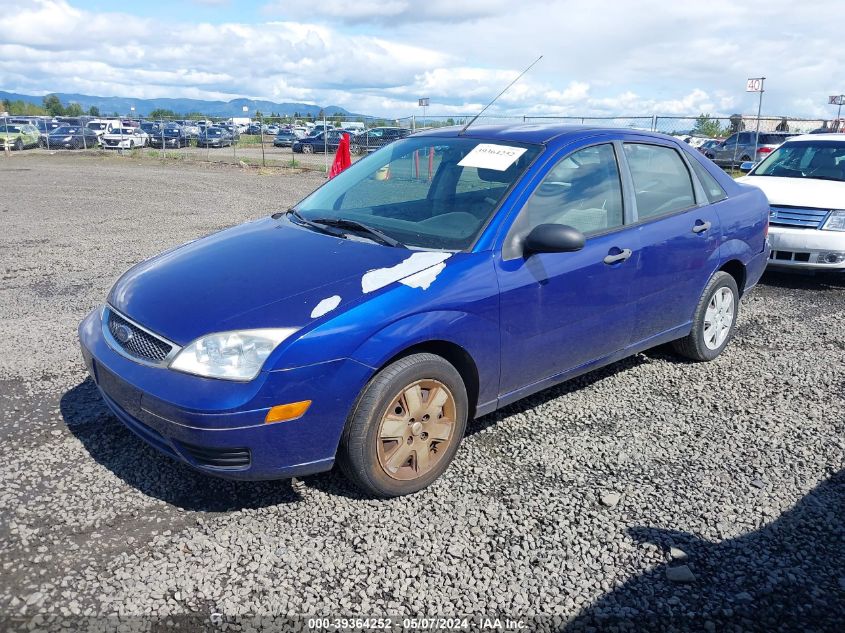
(425, 192)
(823, 160)
(126, 131)
(65, 130)
(214, 132)
(149, 127)
(98, 126)
(11, 128)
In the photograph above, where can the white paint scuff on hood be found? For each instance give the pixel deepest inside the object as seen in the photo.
(416, 263)
(325, 306)
(424, 278)
(799, 192)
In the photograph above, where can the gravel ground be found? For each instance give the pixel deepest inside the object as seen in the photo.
(654, 494)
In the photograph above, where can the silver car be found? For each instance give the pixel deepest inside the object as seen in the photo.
(739, 148)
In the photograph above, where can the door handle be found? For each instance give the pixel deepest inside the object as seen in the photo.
(619, 257)
(700, 228)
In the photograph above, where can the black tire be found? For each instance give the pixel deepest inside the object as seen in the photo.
(693, 345)
(307, 149)
(358, 450)
(745, 159)
(18, 146)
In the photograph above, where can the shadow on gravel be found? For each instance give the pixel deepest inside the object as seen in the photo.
(558, 391)
(113, 446)
(787, 576)
(805, 281)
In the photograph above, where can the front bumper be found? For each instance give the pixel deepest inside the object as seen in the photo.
(217, 426)
(806, 249)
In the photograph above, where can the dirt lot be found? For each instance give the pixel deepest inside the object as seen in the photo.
(654, 494)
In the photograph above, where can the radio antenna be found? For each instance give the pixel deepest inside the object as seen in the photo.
(464, 129)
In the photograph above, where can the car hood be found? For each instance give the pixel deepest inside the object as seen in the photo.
(267, 273)
(799, 192)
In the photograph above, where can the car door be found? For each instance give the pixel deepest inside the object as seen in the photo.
(560, 311)
(678, 235)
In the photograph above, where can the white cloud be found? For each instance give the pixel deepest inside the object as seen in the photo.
(389, 12)
(601, 57)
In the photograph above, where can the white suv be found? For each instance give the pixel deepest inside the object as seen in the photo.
(804, 180)
(103, 126)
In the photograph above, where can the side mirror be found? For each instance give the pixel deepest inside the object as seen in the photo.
(553, 238)
(746, 166)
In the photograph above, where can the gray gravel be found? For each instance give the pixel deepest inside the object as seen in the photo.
(567, 504)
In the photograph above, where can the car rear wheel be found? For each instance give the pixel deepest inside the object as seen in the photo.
(307, 149)
(406, 427)
(714, 321)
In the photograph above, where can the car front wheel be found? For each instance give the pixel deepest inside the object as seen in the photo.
(406, 426)
(307, 149)
(714, 321)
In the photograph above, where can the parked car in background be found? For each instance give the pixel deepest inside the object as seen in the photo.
(804, 180)
(739, 148)
(376, 138)
(18, 136)
(101, 126)
(318, 143)
(253, 129)
(214, 137)
(73, 137)
(124, 138)
(709, 145)
(149, 127)
(171, 135)
(285, 138)
(192, 128)
(421, 303)
(45, 125)
(232, 130)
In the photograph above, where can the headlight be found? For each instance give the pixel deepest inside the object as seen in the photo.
(68, 138)
(835, 222)
(235, 355)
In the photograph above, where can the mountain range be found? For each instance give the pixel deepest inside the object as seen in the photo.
(123, 105)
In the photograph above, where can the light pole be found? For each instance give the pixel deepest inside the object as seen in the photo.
(755, 84)
(423, 102)
(837, 100)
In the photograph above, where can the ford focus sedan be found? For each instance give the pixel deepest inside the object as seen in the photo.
(804, 180)
(440, 278)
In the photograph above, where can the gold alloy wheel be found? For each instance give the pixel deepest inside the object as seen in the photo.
(416, 430)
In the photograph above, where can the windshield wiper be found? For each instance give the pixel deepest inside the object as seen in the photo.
(360, 227)
(299, 219)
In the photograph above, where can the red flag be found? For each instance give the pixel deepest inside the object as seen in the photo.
(343, 158)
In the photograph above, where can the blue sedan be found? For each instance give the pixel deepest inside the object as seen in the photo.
(434, 281)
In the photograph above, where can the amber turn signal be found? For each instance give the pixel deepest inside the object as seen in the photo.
(283, 412)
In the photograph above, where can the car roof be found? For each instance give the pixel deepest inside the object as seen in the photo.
(834, 136)
(542, 133)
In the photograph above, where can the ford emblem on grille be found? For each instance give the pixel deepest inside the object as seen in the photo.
(123, 334)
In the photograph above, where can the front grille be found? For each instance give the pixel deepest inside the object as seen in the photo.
(218, 457)
(795, 216)
(135, 341)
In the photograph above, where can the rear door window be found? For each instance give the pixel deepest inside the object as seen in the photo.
(662, 182)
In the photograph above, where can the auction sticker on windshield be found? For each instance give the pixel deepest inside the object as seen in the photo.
(491, 156)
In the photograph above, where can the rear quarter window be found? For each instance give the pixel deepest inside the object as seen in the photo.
(711, 186)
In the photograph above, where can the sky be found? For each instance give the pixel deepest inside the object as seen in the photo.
(600, 57)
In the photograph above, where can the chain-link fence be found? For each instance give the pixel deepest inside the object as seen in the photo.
(310, 142)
